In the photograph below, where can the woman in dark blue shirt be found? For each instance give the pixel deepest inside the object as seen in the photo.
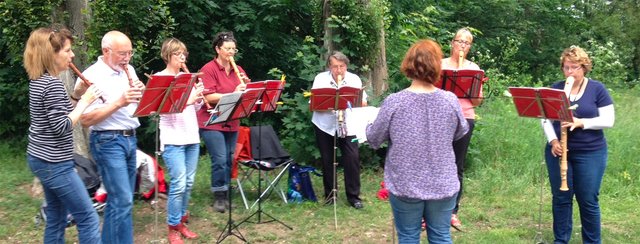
(587, 149)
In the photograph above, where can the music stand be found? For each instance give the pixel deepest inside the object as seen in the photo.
(464, 83)
(266, 103)
(164, 94)
(233, 106)
(335, 99)
(542, 103)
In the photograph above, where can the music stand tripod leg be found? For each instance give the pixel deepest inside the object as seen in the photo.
(259, 212)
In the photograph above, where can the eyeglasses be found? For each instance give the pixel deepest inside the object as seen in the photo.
(229, 49)
(460, 42)
(185, 54)
(571, 68)
(123, 54)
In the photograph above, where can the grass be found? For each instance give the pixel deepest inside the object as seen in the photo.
(501, 201)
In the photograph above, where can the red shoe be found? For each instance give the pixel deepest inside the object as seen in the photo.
(185, 218)
(455, 222)
(174, 236)
(182, 229)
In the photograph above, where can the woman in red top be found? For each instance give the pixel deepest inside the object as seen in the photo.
(218, 79)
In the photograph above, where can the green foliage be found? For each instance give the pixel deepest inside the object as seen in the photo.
(17, 19)
(357, 28)
(608, 65)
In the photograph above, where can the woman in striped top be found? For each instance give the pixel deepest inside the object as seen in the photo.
(50, 148)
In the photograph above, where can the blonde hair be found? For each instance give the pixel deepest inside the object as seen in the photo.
(577, 55)
(170, 46)
(463, 32)
(42, 45)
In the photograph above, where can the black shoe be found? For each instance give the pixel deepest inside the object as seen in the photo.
(357, 204)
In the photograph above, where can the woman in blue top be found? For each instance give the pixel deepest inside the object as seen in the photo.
(587, 149)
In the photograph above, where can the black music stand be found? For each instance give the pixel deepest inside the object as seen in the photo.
(266, 103)
(164, 94)
(465, 83)
(335, 99)
(233, 106)
(541, 103)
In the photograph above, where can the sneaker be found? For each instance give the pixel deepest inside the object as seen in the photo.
(455, 222)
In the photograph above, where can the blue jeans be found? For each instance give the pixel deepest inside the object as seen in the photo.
(181, 161)
(220, 145)
(65, 193)
(408, 214)
(116, 158)
(584, 176)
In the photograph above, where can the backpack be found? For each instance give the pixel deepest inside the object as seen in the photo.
(300, 186)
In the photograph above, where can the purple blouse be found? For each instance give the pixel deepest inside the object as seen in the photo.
(420, 128)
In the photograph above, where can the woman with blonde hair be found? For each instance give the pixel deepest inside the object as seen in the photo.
(587, 146)
(50, 147)
(180, 145)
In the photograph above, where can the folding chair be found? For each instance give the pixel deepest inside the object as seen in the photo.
(269, 160)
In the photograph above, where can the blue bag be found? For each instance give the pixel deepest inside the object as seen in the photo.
(300, 186)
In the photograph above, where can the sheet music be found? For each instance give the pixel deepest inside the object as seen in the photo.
(357, 120)
(224, 108)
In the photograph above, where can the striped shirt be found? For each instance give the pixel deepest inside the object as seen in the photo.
(50, 128)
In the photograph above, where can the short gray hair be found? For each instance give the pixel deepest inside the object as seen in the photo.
(338, 56)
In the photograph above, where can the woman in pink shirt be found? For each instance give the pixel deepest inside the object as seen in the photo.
(462, 41)
(180, 145)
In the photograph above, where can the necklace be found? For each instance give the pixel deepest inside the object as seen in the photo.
(575, 97)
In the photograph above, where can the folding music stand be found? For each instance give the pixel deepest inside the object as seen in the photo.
(164, 94)
(272, 91)
(335, 99)
(233, 106)
(267, 102)
(465, 83)
(542, 103)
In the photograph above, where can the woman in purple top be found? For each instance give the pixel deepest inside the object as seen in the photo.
(420, 124)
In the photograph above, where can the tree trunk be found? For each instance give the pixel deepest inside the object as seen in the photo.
(379, 71)
(328, 31)
(76, 24)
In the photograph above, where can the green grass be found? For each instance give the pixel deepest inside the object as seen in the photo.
(501, 200)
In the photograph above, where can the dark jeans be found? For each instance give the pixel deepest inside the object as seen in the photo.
(65, 193)
(584, 177)
(460, 148)
(220, 145)
(350, 160)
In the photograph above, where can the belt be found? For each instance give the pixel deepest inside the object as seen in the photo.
(119, 132)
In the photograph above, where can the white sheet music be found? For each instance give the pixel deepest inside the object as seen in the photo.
(357, 120)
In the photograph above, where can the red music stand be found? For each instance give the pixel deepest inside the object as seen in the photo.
(234, 106)
(464, 83)
(542, 103)
(323, 99)
(335, 99)
(272, 91)
(165, 94)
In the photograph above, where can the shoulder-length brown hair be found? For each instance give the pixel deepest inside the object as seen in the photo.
(42, 45)
(423, 61)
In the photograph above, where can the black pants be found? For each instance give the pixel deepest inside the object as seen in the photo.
(460, 149)
(350, 161)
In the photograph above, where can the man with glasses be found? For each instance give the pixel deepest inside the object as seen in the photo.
(113, 138)
(326, 129)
